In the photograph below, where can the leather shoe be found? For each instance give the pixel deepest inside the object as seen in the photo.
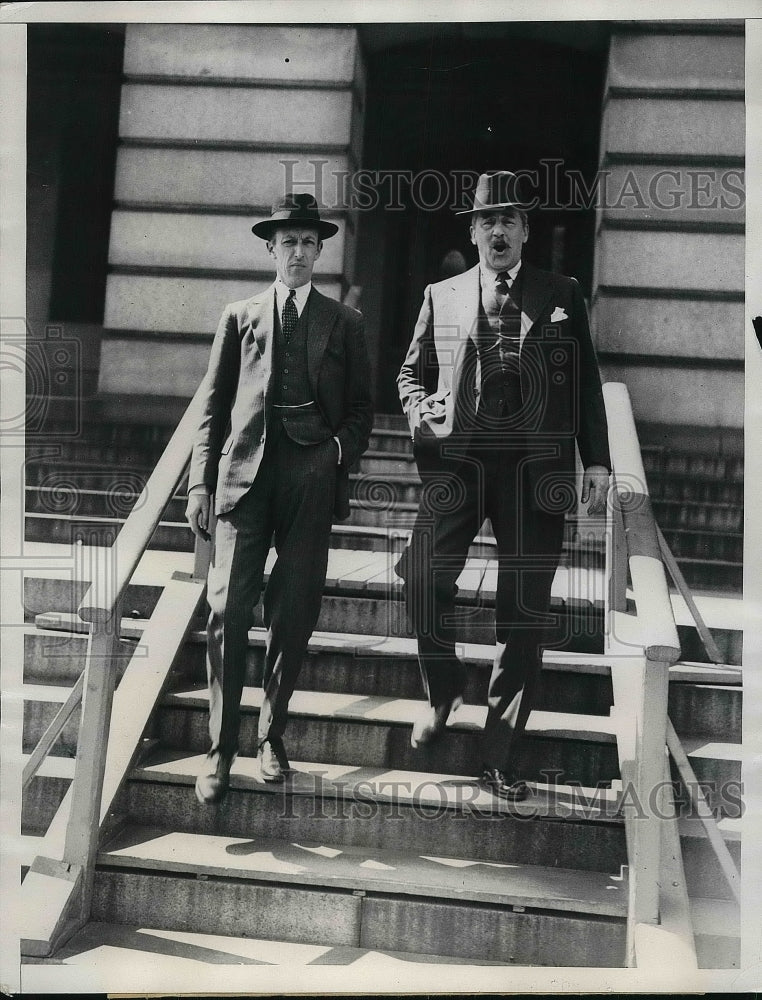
(273, 761)
(433, 722)
(495, 781)
(212, 784)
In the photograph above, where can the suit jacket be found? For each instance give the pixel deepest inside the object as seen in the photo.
(562, 402)
(237, 395)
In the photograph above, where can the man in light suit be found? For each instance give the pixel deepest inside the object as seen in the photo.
(499, 382)
(286, 411)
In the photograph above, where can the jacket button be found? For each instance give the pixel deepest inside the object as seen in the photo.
(262, 439)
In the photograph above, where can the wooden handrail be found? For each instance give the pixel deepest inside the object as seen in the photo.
(59, 892)
(111, 576)
(649, 581)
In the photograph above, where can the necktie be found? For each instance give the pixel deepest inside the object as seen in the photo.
(289, 317)
(509, 338)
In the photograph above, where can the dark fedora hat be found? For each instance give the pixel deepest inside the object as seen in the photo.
(501, 189)
(295, 210)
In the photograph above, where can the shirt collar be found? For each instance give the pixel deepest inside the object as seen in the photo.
(488, 278)
(302, 293)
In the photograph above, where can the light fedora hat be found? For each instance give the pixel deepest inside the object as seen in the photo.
(295, 210)
(501, 189)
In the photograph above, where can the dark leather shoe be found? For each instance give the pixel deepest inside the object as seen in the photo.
(433, 722)
(273, 761)
(212, 784)
(495, 781)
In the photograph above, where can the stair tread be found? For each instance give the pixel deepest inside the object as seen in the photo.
(123, 947)
(337, 705)
(418, 788)
(465, 718)
(404, 711)
(371, 574)
(574, 725)
(718, 917)
(360, 644)
(370, 869)
(698, 746)
(53, 766)
(56, 693)
(51, 559)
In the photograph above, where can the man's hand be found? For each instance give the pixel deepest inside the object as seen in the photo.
(595, 487)
(197, 513)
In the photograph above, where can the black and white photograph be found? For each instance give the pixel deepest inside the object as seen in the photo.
(380, 456)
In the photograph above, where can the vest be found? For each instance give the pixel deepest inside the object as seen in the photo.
(498, 347)
(291, 385)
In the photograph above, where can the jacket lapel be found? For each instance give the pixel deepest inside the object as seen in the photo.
(258, 338)
(536, 289)
(320, 320)
(467, 293)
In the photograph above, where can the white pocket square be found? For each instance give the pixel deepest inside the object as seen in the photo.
(558, 315)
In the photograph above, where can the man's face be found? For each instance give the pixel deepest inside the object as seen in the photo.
(294, 251)
(499, 237)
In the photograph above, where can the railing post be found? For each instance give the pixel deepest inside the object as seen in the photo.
(82, 833)
(649, 776)
(633, 517)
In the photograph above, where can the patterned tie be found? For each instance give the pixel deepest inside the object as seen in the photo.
(501, 286)
(289, 317)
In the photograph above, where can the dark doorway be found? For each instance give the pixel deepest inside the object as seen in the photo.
(74, 77)
(470, 98)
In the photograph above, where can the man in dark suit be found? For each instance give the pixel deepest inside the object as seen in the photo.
(286, 411)
(499, 382)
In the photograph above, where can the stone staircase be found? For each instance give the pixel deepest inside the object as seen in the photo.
(370, 848)
(95, 479)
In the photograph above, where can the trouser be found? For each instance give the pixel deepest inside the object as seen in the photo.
(291, 505)
(455, 500)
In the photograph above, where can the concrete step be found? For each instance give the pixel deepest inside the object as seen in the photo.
(566, 826)
(118, 502)
(580, 624)
(375, 732)
(42, 797)
(338, 895)
(702, 872)
(558, 825)
(689, 489)
(359, 664)
(717, 932)
(390, 440)
(363, 595)
(584, 550)
(140, 956)
(717, 766)
(698, 515)
(704, 699)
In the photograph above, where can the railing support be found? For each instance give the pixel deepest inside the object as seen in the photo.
(661, 648)
(704, 812)
(649, 776)
(676, 573)
(82, 834)
(63, 889)
(52, 733)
